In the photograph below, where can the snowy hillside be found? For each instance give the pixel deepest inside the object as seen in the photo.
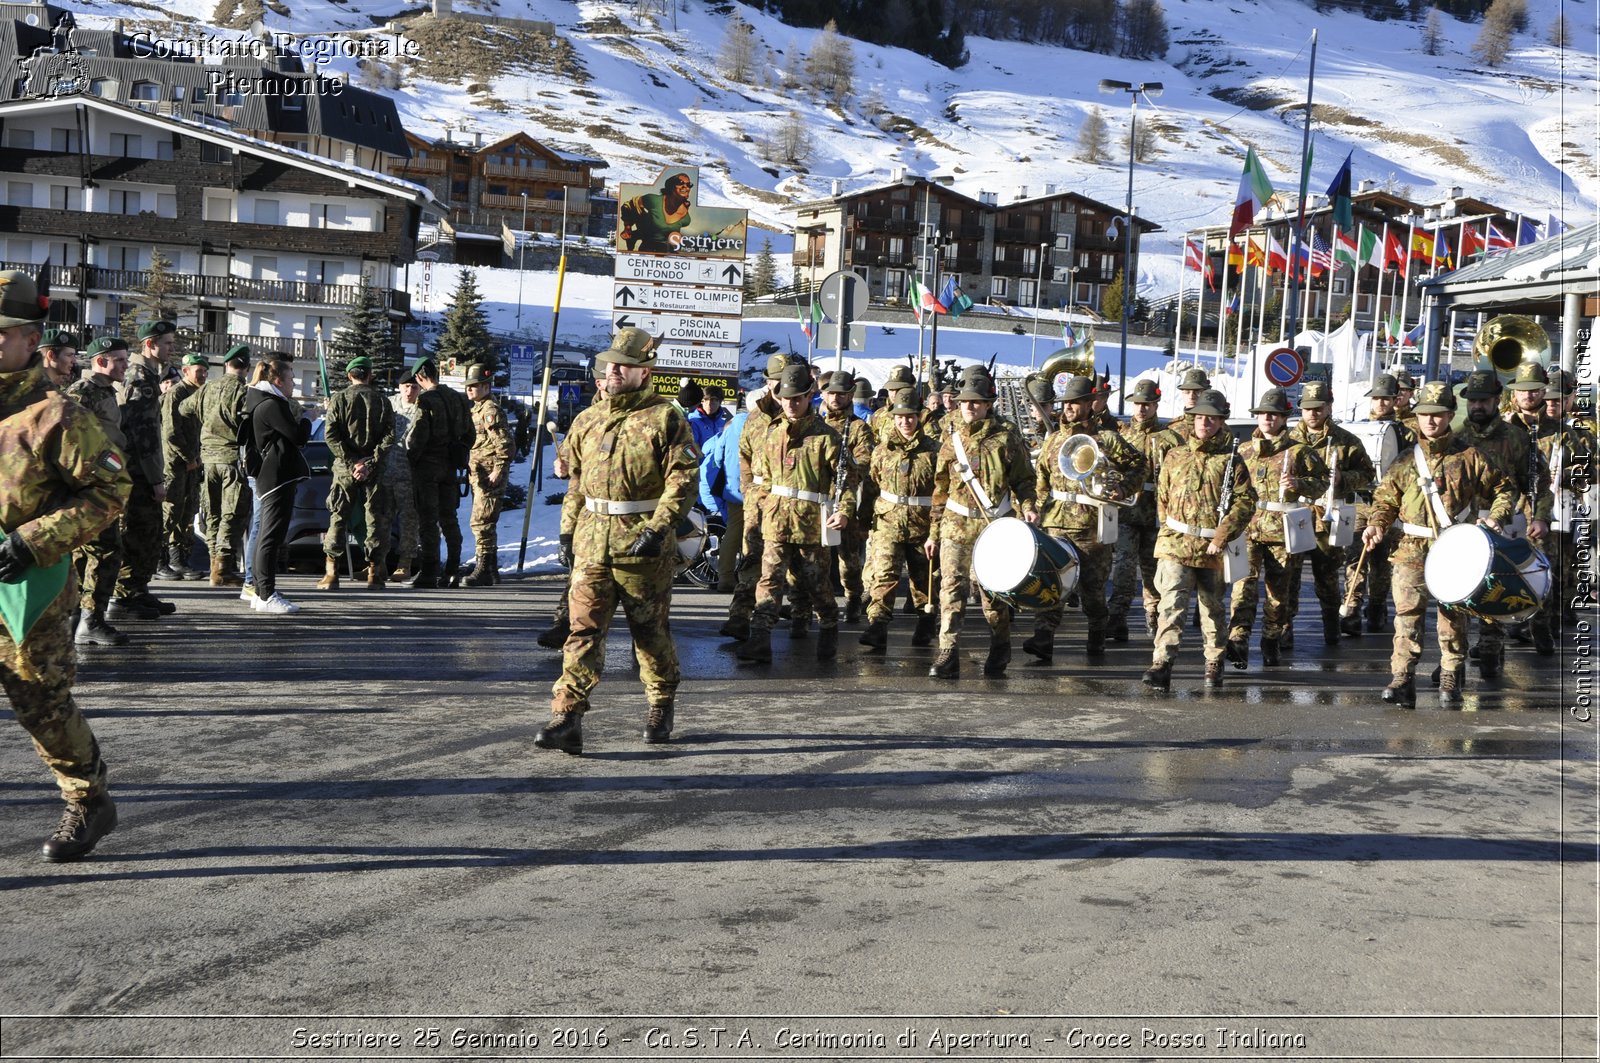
(640, 93)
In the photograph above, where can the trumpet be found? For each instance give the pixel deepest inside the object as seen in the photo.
(1082, 462)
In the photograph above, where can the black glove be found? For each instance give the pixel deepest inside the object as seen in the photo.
(565, 554)
(648, 544)
(15, 559)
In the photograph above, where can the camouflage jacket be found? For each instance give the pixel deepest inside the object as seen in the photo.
(999, 460)
(882, 424)
(1105, 421)
(1345, 459)
(61, 480)
(1266, 459)
(1546, 433)
(491, 441)
(1189, 491)
(1179, 431)
(903, 467)
(140, 397)
(630, 448)
(1466, 484)
(1153, 441)
(1509, 450)
(219, 408)
(752, 449)
(858, 437)
(359, 425)
(803, 456)
(1123, 479)
(180, 432)
(98, 395)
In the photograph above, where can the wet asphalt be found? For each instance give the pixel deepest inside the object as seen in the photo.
(337, 839)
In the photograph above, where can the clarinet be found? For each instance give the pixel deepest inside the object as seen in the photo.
(1226, 502)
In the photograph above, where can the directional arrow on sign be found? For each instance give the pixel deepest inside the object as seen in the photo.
(732, 274)
(625, 296)
(691, 328)
(624, 321)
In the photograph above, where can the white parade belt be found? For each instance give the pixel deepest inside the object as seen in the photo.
(794, 492)
(607, 508)
(921, 501)
(1069, 496)
(1000, 510)
(1189, 529)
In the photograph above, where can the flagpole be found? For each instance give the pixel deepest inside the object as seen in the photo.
(1378, 316)
(1200, 295)
(1327, 310)
(1305, 175)
(1405, 282)
(1177, 331)
(1222, 318)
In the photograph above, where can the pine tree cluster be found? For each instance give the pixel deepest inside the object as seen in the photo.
(928, 27)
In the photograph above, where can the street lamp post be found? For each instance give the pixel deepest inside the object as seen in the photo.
(1038, 294)
(1150, 89)
(927, 230)
(522, 255)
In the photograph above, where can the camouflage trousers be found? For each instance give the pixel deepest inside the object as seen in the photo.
(437, 498)
(485, 520)
(1175, 582)
(227, 505)
(1271, 567)
(728, 548)
(1094, 566)
(748, 573)
(38, 677)
(141, 540)
(1327, 565)
(97, 563)
(885, 555)
(179, 509)
(402, 506)
(1374, 595)
(1410, 599)
(1133, 564)
(805, 565)
(643, 587)
(563, 614)
(849, 556)
(956, 584)
(347, 496)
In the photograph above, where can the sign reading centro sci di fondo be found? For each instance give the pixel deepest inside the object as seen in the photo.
(666, 218)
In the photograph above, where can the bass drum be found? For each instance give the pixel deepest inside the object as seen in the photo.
(1381, 441)
(1022, 565)
(1475, 570)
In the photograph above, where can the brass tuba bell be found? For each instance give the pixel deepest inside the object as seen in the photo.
(1080, 458)
(1077, 359)
(1506, 341)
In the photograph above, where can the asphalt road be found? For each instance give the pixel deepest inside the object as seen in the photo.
(338, 840)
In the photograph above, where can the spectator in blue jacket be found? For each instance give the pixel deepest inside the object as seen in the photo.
(708, 418)
(863, 399)
(720, 494)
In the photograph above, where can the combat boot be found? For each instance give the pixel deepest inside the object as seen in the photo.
(1401, 691)
(402, 571)
(947, 665)
(427, 577)
(1450, 687)
(330, 574)
(757, 648)
(658, 723)
(165, 572)
(82, 825)
(94, 631)
(852, 610)
(736, 627)
(999, 657)
(178, 561)
(555, 636)
(150, 601)
(827, 643)
(130, 609)
(1095, 645)
(1119, 629)
(927, 627)
(376, 580)
(481, 576)
(1237, 652)
(1042, 645)
(1286, 640)
(228, 574)
(800, 624)
(876, 635)
(451, 575)
(1330, 626)
(1158, 676)
(1350, 626)
(1543, 644)
(1377, 619)
(217, 578)
(565, 733)
(1490, 662)
(1214, 675)
(1269, 651)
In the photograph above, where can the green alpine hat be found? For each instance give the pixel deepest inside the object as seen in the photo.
(904, 405)
(1078, 388)
(1385, 387)
(1145, 390)
(1210, 403)
(1530, 377)
(196, 359)
(840, 382)
(900, 377)
(1194, 380)
(360, 361)
(20, 301)
(976, 388)
(1405, 381)
(154, 329)
(1273, 400)
(477, 373)
(1435, 398)
(1481, 384)
(863, 389)
(239, 353)
(1315, 395)
(1040, 390)
(1562, 382)
(56, 337)
(106, 343)
(795, 381)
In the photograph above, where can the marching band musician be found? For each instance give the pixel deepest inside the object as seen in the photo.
(1405, 389)
(1191, 384)
(1528, 390)
(1281, 469)
(1375, 588)
(902, 468)
(982, 473)
(1196, 480)
(1071, 510)
(1574, 473)
(838, 413)
(1459, 484)
(1134, 559)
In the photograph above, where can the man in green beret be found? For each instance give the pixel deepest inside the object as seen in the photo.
(359, 428)
(218, 408)
(1133, 563)
(52, 501)
(180, 443)
(59, 349)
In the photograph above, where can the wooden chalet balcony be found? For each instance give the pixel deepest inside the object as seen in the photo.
(1023, 236)
(884, 224)
(529, 173)
(65, 280)
(421, 166)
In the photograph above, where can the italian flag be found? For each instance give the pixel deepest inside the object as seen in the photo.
(1254, 192)
(922, 300)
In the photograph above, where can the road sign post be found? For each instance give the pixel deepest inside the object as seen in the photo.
(843, 297)
(1284, 367)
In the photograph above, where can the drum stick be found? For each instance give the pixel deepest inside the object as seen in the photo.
(928, 606)
(1352, 590)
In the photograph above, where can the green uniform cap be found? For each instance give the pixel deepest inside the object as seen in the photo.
(54, 338)
(795, 381)
(900, 376)
(106, 343)
(1273, 400)
(239, 352)
(1405, 381)
(1194, 380)
(20, 301)
(196, 359)
(976, 388)
(1145, 391)
(1210, 403)
(153, 329)
(1078, 388)
(630, 346)
(420, 361)
(1314, 395)
(863, 389)
(1530, 377)
(1385, 387)
(360, 361)
(1040, 390)
(477, 372)
(1481, 384)
(904, 405)
(1561, 382)
(1435, 398)
(841, 382)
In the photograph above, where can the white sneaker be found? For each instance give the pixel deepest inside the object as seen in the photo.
(248, 594)
(277, 604)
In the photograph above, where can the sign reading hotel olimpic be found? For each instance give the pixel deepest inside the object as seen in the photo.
(680, 270)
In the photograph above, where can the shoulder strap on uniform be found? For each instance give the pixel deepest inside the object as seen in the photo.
(1429, 488)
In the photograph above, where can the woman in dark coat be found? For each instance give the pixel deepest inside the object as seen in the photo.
(273, 457)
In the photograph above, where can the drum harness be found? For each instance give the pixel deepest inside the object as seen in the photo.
(1438, 517)
(970, 478)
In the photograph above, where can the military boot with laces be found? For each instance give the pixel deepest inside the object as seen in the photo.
(1269, 651)
(1214, 675)
(94, 631)
(827, 643)
(1158, 676)
(947, 665)
(875, 635)
(1401, 691)
(927, 627)
(1042, 645)
(1450, 684)
(757, 648)
(1350, 626)
(999, 657)
(1490, 662)
(1237, 653)
(658, 723)
(330, 575)
(82, 825)
(564, 733)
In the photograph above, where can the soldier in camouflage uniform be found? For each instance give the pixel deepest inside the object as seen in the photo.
(838, 413)
(397, 476)
(1133, 562)
(1374, 585)
(1282, 472)
(98, 560)
(1528, 391)
(1509, 450)
(488, 469)
(359, 428)
(1194, 529)
(440, 438)
(1466, 485)
(180, 442)
(1350, 468)
(902, 469)
(1072, 509)
(1181, 429)
(218, 407)
(61, 482)
(1100, 417)
(811, 486)
(983, 472)
(1405, 389)
(142, 539)
(882, 421)
(634, 466)
(59, 349)
(1572, 469)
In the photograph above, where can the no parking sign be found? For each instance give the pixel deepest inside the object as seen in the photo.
(1284, 367)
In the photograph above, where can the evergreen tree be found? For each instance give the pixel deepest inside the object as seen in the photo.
(831, 64)
(1111, 299)
(1495, 39)
(738, 57)
(762, 278)
(155, 300)
(466, 328)
(366, 331)
(1144, 29)
(1432, 33)
(1092, 137)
